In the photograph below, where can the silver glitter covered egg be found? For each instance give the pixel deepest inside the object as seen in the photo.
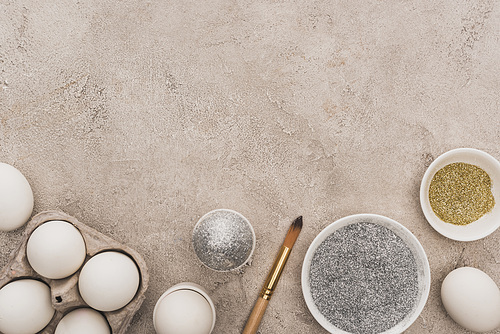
(223, 240)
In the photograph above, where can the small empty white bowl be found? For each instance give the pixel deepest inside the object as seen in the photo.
(480, 228)
(223, 240)
(185, 308)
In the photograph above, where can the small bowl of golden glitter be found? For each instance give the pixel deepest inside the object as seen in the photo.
(459, 194)
(223, 240)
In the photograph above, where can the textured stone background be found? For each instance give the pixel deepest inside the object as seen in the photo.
(138, 117)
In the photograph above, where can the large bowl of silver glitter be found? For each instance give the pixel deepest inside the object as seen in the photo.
(365, 274)
(223, 240)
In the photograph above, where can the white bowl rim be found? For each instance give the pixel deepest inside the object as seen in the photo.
(251, 229)
(187, 286)
(473, 231)
(417, 249)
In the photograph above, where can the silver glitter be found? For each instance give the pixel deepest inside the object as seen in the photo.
(223, 240)
(364, 278)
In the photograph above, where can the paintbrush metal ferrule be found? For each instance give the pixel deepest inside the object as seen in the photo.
(275, 273)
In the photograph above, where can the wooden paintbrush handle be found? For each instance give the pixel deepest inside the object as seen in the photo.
(256, 316)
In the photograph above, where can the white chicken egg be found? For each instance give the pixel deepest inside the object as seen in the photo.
(25, 307)
(182, 310)
(83, 321)
(16, 198)
(56, 249)
(109, 281)
(472, 299)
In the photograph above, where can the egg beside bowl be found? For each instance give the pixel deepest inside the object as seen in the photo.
(472, 299)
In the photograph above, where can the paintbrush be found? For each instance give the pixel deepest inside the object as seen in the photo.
(273, 277)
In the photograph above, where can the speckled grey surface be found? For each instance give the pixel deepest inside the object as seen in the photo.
(137, 117)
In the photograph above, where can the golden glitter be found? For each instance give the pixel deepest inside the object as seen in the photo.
(460, 193)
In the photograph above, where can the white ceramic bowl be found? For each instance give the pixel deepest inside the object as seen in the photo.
(485, 225)
(424, 274)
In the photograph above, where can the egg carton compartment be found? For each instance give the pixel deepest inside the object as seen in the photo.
(65, 295)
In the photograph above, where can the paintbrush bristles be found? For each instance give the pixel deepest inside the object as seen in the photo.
(293, 232)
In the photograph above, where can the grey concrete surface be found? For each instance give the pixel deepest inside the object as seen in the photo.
(138, 117)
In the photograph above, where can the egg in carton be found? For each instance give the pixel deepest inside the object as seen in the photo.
(65, 295)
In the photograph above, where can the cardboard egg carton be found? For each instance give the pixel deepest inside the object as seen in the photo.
(65, 295)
